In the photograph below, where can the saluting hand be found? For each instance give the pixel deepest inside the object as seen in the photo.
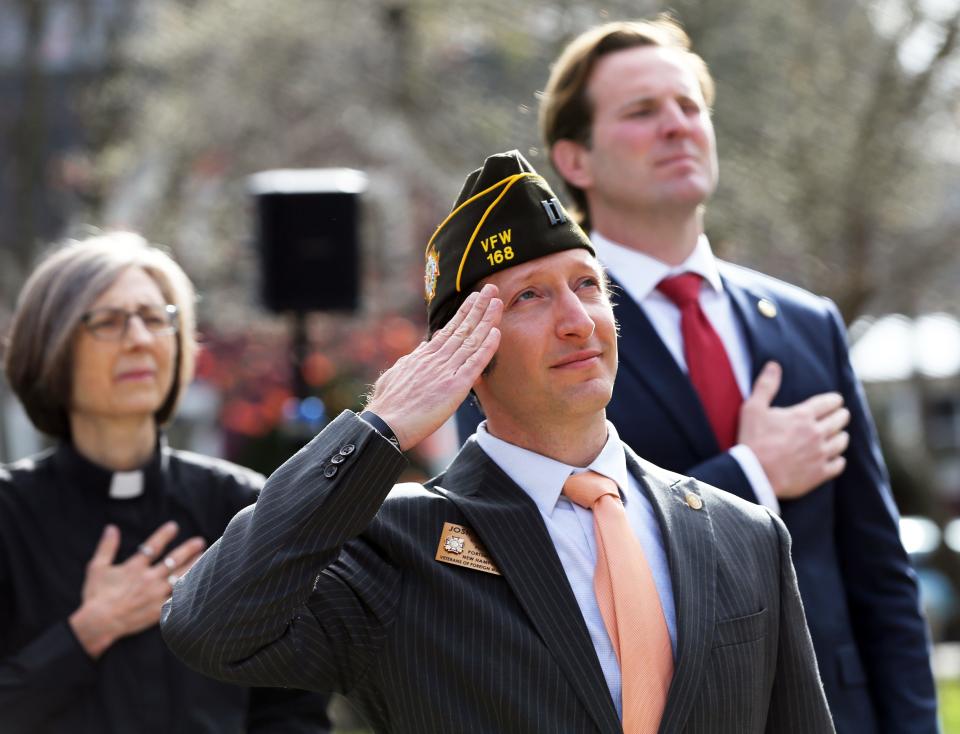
(424, 388)
(120, 599)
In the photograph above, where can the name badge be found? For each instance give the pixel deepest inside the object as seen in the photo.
(459, 546)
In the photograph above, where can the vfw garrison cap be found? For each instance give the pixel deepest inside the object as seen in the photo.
(505, 215)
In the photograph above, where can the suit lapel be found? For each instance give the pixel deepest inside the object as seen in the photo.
(509, 524)
(764, 334)
(690, 545)
(646, 357)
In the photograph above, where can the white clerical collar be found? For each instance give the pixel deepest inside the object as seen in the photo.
(126, 485)
(639, 273)
(541, 477)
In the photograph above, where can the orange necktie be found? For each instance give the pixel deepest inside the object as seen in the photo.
(629, 604)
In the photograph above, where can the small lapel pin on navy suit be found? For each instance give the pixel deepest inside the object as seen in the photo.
(767, 308)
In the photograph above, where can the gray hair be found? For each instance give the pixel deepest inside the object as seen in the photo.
(39, 355)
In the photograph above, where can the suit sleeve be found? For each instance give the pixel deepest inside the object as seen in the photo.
(797, 701)
(269, 710)
(246, 612)
(880, 581)
(287, 711)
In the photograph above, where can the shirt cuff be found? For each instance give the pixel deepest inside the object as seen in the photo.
(380, 426)
(750, 465)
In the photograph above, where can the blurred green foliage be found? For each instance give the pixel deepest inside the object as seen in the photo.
(949, 695)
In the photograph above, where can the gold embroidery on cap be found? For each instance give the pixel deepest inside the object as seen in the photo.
(455, 211)
(509, 181)
(430, 275)
(497, 247)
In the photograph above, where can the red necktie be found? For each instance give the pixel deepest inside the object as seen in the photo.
(707, 361)
(629, 604)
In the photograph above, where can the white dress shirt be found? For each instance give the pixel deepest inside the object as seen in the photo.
(639, 274)
(571, 530)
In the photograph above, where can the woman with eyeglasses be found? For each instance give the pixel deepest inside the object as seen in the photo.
(95, 531)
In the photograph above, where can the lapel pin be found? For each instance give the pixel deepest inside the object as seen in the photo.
(767, 308)
(693, 501)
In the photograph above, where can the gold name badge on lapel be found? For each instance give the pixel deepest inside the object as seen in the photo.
(459, 546)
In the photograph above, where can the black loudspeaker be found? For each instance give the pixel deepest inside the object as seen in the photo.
(308, 238)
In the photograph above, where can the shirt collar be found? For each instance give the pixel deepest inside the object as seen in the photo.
(639, 273)
(541, 477)
(91, 477)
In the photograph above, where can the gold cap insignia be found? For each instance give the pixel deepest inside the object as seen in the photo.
(430, 274)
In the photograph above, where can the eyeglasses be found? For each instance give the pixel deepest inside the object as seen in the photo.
(112, 324)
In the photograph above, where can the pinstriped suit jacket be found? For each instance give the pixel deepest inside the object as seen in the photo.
(329, 583)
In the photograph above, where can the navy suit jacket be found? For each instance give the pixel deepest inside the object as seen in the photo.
(858, 587)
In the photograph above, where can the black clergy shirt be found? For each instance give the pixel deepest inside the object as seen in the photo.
(53, 508)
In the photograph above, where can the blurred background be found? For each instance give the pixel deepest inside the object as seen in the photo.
(839, 135)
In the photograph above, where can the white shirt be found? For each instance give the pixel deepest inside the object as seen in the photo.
(639, 274)
(571, 529)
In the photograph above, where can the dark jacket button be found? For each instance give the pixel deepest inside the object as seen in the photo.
(337, 459)
(348, 449)
(330, 471)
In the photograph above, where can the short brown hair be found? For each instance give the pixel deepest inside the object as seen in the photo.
(566, 111)
(39, 355)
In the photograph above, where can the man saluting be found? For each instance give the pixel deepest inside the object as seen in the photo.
(550, 580)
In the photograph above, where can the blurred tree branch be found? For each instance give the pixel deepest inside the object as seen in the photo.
(831, 177)
(58, 64)
(27, 148)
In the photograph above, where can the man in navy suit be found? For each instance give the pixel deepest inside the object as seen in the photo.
(747, 386)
